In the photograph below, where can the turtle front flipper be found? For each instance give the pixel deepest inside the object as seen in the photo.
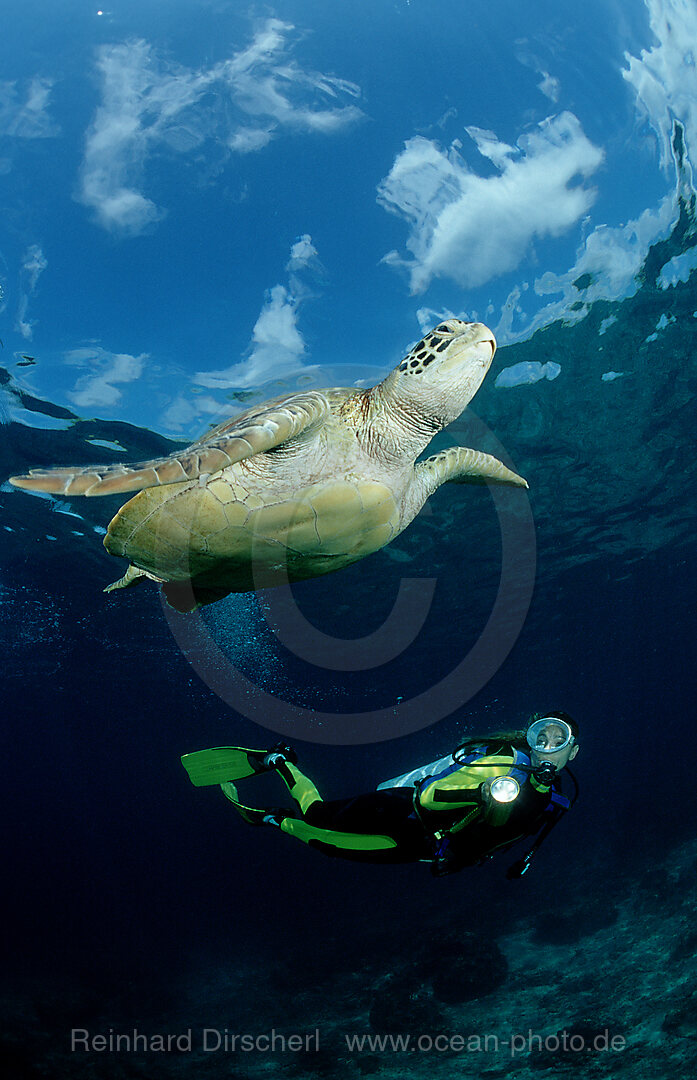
(237, 439)
(461, 465)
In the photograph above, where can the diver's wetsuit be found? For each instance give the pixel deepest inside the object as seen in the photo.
(387, 813)
(442, 815)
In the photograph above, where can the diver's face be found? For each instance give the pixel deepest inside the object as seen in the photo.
(549, 746)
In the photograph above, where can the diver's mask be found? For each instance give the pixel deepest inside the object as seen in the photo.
(548, 736)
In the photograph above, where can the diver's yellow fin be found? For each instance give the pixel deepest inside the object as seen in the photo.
(253, 815)
(222, 763)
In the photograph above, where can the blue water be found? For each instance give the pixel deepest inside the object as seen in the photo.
(133, 900)
(146, 898)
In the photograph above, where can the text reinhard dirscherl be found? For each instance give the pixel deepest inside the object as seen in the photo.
(221, 1040)
(209, 1040)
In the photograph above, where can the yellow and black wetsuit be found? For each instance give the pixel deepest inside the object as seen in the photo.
(438, 816)
(435, 813)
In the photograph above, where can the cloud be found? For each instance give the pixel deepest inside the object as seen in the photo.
(262, 84)
(240, 104)
(28, 118)
(185, 413)
(137, 102)
(99, 388)
(549, 86)
(304, 261)
(611, 256)
(664, 77)
(277, 348)
(472, 228)
(526, 373)
(678, 269)
(248, 140)
(610, 376)
(303, 253)
(33, 265)
(428, 317)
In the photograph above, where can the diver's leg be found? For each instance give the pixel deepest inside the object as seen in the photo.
(255, 815)
(281, 759)
(348, 828)
(302, 790)
(376, 827)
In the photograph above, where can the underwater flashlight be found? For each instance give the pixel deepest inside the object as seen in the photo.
(504, 789)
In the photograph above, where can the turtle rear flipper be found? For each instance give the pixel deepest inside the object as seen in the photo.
(132, 577)
(180, 595)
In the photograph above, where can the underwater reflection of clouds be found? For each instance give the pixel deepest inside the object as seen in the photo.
(527, 372)
(24, 114)
(33, 265)
(241, 104)
(664, 77)
(100, 387)
(277, 347)
(276, 352)
(538, 190)
(452, 211)
(678, 269)
(664, 80)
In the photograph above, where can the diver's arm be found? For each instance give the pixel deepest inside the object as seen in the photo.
(467, 789)
(453, 792)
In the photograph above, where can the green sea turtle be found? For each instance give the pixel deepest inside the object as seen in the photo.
(299, 486)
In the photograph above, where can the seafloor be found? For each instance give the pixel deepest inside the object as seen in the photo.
(597, 986)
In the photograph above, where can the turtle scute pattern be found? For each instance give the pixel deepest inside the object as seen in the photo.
(224, 535)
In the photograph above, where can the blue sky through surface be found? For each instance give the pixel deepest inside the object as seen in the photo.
(200, 198)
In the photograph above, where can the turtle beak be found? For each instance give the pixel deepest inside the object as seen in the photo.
(474, 346)
(480, 338)
(482, 334)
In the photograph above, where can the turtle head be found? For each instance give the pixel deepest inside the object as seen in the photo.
(442, 373)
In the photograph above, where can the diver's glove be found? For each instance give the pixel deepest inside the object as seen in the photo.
(493, 812)
(444, 860)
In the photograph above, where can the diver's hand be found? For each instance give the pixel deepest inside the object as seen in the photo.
(485, 793)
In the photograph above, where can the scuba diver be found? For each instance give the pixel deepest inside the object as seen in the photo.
(454, 812)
